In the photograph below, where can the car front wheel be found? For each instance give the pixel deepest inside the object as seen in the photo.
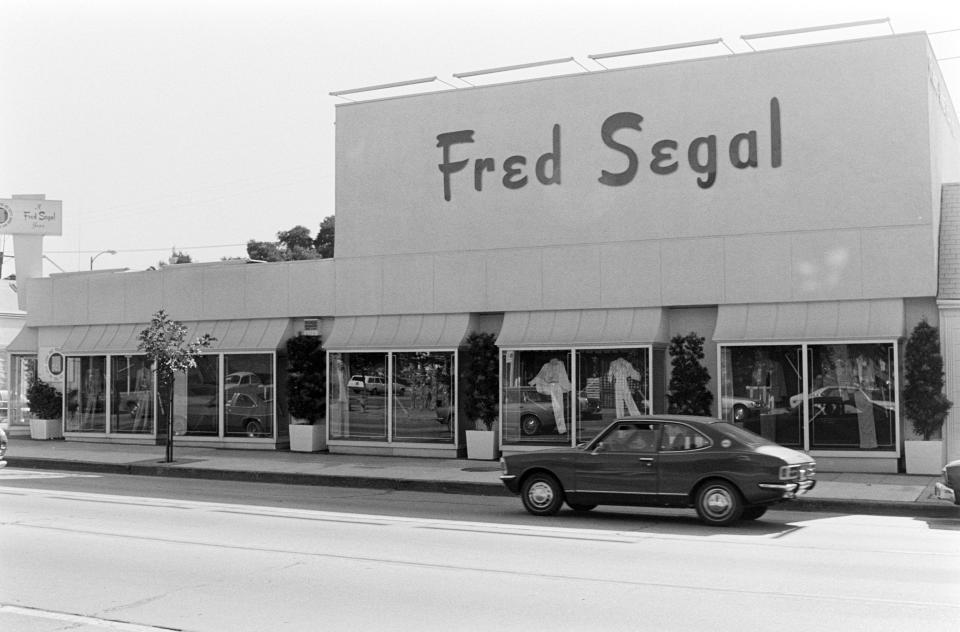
(530, 424)
(542, 495)
(252, 428)
(719, 503)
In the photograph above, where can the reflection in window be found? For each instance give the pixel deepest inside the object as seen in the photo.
(358, 396)
(758, 388)
(424, 406)
(86, 388)
(536, 396)
(679, 438)
(196, 410)
(611, 383)
(851, 397)
(15, 408)
(131, 394)
(248, 394)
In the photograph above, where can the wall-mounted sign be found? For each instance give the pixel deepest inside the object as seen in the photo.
(50, 365)
(30, 217)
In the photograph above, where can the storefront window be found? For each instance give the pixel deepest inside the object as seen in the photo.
(13, 406)
(248, 395)
(358, 396)
(851, 401)
(196, 409)
(611, 383)
(86, 389)
(536, 393)
(424, 406)
(759, 389)
(131, 395)
(850, 394)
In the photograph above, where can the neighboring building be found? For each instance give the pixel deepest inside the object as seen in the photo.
(787, 205)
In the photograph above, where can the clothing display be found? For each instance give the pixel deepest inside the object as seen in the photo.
(620, 369)
(144, 389)
(552, 380)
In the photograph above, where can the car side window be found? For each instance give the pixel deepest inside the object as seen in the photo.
(678, 437)
(631, 437)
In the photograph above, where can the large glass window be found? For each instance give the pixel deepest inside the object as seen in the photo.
(536, 394)
(424, 403)
(611, 383)
(86, 389)
(851, 397)
(13, 406)
(358, 396)
(248, 395)
(850, 394)
(131, 394)
(758, 390)
(196, 409)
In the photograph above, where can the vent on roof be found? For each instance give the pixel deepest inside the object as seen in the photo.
(311, 327)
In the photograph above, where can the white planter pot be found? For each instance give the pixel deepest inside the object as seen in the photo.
(481, 445)
(46, 429)
(308, 437)
(923, 457)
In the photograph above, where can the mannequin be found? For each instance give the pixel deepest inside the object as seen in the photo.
(92, 389)
(144, 387)
(620, 369)
(552, 380)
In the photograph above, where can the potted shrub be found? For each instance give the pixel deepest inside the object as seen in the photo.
(306, 393)
(688, 394)
(46, 406)
(480, 384)
(924, 403)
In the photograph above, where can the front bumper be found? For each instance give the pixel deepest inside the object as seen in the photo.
(511, 482)
(790, 490)
(943, 492)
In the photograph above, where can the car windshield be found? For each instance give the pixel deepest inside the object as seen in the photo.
(740, 434)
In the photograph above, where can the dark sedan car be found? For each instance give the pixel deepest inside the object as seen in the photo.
(726, 473)
(949, 487)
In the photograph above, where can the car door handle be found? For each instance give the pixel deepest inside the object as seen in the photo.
(646, 459)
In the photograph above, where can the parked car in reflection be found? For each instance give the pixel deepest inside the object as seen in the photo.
(948, 488)
(3, 447)
(850, 394)
(740, 407)
(249, 415)
(723, 471)
(533, 411)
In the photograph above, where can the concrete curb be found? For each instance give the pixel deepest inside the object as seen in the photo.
(825, 505)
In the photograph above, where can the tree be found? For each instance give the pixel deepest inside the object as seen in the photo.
(176, 256)
(688, 394)
(165, 343)
(479, 379)
(306, 378)
(923, 400)
(295, 244)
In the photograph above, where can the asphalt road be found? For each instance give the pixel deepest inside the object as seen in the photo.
(97, 552)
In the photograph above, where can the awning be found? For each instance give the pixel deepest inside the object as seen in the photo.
(257, 334)
(24, 342)
(583, 327)
(827, 320)
(409, 331)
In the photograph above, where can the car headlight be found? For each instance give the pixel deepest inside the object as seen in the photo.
(503, 465)
(800, 471)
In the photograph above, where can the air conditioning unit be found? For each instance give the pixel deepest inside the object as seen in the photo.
(311, 327)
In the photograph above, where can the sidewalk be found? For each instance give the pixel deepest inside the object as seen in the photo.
(884, 494)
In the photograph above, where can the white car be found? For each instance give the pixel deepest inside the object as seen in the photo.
(740, 407)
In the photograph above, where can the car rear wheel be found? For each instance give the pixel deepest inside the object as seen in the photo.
(252, 428)
(530, 424)
(580, 507)
(719, 503)
(752, 513)
(542, 495)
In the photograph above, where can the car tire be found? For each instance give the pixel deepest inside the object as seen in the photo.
(530, 425)
(739, 412)
(579, 507)
(251, 428)
(752, 513)
(542, 495)
(719, 503)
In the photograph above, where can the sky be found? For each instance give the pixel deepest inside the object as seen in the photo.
(201, 125)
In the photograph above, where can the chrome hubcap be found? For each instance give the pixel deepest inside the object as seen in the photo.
(540, 494)
(718, 502)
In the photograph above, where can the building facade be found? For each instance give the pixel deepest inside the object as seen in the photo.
(786, 205)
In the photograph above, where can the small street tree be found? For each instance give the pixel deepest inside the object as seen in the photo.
(688, 393)
(165, 344)
(923, 400)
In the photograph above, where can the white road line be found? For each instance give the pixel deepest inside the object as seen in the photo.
(77, 619)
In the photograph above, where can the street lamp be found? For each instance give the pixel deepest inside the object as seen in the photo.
(104, 252)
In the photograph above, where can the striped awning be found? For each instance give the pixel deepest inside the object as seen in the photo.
(825, 320)
(583, 327)
(256, 334)
(408, 331)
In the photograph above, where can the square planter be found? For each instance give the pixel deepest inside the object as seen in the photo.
(481, 445)
(923, 457)
(308, 437)
(46, 429)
